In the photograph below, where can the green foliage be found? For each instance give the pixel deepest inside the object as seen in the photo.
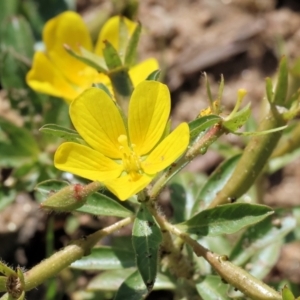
(62, 132)
(17, 145)
(198, 126)
(89, 58)
(130, 53)
(157, 255)
(132, 288)
(212, 287)
(106, 258)
(146, 239)
(225, 219)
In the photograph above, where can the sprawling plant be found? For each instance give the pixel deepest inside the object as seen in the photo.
(121, 148)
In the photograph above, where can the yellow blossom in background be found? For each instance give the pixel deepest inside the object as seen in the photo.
(125, 157)
(55, 72)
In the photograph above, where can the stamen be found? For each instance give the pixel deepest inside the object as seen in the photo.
(131, 161)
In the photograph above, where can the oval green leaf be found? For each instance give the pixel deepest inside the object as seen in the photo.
(17, 145)
(96, 204)
(62, 132)
(225, 219)
(238, 120)
(132, 288)
(47, 187)
(215, 183)
(198, 125)
(261, 235)
(111, 280)
(105, 258)
(184, 192)
(212, 287)
(146, 239)
(102, 205)
(130, 54)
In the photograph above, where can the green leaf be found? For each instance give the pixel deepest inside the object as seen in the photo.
(62, 132)
(88, 58)
(278, 163)
(287, 294)
(259, 236)
(8, 8)
(101, 205)
(121, 82)
(45, 188)
(3, 280)
(17, 37)
(154, 75)
(198, 125)
(29, 9)
(269, 255)
(257, 133)
(111, 56)
(212, 287)
(111, 280)
(89, 295)
(215, 183)
(221, 88)
(282, 83)
(146, 239)
(96, 204)
(184, 192)
(123, 38)
(132, 288)
(208, 90)
(238, 120)
(225, 219)
(106, 258)
(130, 54)
(269, 89)
(17, 145)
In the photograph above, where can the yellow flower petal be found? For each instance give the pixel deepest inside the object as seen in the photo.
(69, 28)
(110, 32)
(141, 71)
(123, 187)
(44, 77)
(97, 119)
(85, 162)
(168, 150)
(149, 109)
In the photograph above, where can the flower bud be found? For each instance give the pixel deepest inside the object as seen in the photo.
(67, 199)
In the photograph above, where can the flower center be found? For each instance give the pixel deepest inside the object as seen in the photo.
(131, 161)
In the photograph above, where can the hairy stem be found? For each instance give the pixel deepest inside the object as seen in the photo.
(62, 259)
(253, 160)
(172, 255)
(232, 274)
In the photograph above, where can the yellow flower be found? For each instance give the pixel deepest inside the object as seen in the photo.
(125, 157)
(57, 73)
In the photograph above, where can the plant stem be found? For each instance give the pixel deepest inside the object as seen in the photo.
(253, 160)
(63, 258)
(232, 274)
(172, 255)
(199, 147)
